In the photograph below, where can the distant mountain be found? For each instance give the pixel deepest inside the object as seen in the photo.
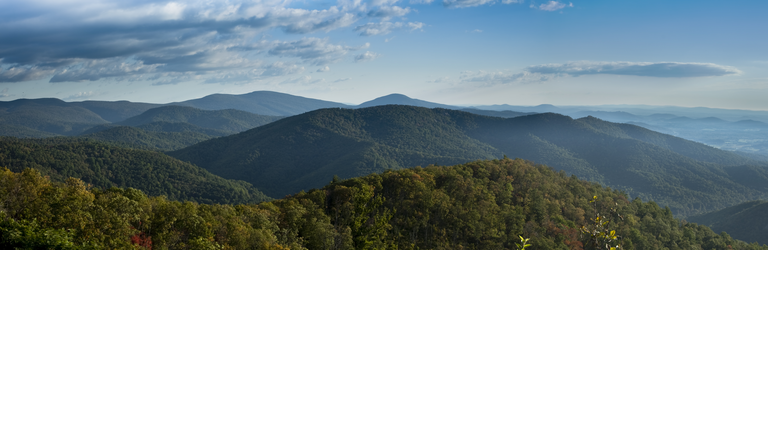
(306, 151)
(747, 221)
(105, 166)
(44, 117)
(227, 121)
(162, 139)
(115, 111)
(400, 99)
(174, 127)
(261, 102)
(303, 152)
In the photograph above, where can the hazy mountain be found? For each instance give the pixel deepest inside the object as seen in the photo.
(174, 127)
(261, 102)
(43, 117)
(227, 121)
(400, 99)
(115, 111)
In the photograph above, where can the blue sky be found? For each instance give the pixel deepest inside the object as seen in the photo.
(469, 52)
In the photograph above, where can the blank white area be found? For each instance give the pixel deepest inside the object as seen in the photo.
(383, 341)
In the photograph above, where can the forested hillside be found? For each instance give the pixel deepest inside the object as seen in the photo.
(747, 221)
(308, 150)
(105, 166)
(305, 151)
(499, 204)
(175, 127)
(41, 118)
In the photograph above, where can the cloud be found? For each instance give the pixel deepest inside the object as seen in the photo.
(324, 69)
(389, 12)
(386, 27)
(661, 70)
(366, 56)
(313, 50)
(466, 3)
(304, 80)
(95, 70)
(19, 74)
(496, 78)
(81, 96)
(4, 93)
(169, 41)
(546, 72)
(551, 6)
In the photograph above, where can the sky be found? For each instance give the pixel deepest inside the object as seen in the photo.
(461, 52)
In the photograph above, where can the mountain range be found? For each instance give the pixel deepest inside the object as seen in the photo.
(740, 131)
(281, 144)
(307, 150)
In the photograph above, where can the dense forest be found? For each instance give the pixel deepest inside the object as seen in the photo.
(497, 204)
(304, 151)
(105, 166)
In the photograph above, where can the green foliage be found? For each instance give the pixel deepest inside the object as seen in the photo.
(523, 243)
(598, 232)
(138, 138)
(106, 166)
(479, 205)
(23, 234)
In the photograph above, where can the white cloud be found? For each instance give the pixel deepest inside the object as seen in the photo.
(304, 80)
(389, 12)
(502, 77)
(20, 73)
(386, 27)
(313, 50)
(366, 56)
(168, 41)
(552, 6)
(466, 3)
(662, 70)
(84, 95)
(546, 72)
(324, 69)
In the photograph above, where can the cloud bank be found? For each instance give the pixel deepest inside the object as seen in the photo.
(168, 41)
(660, 70)
(546, 72)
